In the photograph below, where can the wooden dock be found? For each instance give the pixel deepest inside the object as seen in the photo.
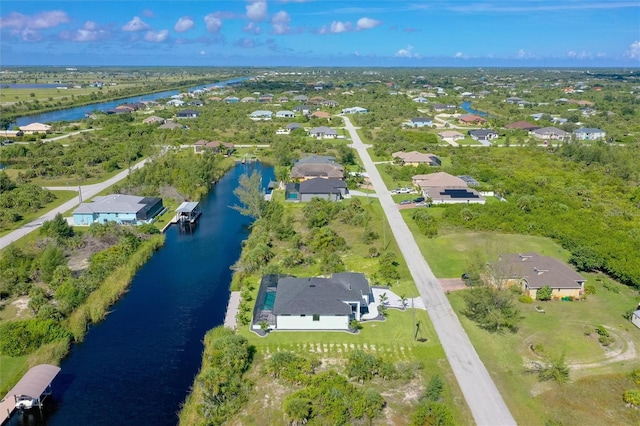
(7, 406)
(230, 320)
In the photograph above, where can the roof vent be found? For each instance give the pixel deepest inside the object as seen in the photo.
(312, 285)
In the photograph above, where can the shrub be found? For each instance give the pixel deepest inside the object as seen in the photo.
(635, 375)
(19, 338)
(590, 289)
(556, 370)
(544, 293)
(525, 299)
(632, 396)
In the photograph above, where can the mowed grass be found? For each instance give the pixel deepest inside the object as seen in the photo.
(594, 394)
(9, 368)
(449, 254)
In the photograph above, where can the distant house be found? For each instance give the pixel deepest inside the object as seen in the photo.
(294, 126)
(214, 146)
(309, 170)
(153, 119)
(355, 110)
(331, 189)
(119, 208)
(231, 99)
(415, 158)
(443, 107)
(589, 134)
(421, 100)
(483, 134)
(443, 188)
(267, 97)
(261, 115)
(532, 271)
(330, 103)
(171, 125)
(314, 303)
(321, 114)
(451, 135)
(522, 125)
(196, 102)
(313, 159)
(247, 99)
(323, 132)
(471, 119)
(188, 113)
(550, 133)
(285, 114)
(175, 102)
(421, 122)
(300, 98)
(302, 109)
(35, 128)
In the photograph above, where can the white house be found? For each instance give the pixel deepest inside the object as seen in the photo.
(175, 102)
(323, 132)
(635, 318)
(589, 134)
(421, 122)
(261, 115)
(355, 110)
(119, 208)
(315, 303)
(35, 128)
(285, 114)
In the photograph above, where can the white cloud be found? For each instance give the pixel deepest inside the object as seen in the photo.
(634, 50)
(136, 24)
(38, 21)
(407, 53)
(257, 10)
(156, 36)
(252, 28)
(281, 23)
(148, 13)
(367, 23)
(203, 53)
(579, 55)
(87, 33)
(523, 54)
(458, 55)
(184, 24)
(213, 24)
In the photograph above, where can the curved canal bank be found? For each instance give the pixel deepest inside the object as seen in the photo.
(137, 365)
(78, 113)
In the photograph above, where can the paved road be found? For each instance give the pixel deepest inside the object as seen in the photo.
(482, 396)
(87, 192)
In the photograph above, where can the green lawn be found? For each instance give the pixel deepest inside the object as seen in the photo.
(62, 197)
(10, 367)
(562, 329)
(448, 254)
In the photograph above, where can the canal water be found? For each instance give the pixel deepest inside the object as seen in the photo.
(78, 113)
(467, 107)
(136, 367)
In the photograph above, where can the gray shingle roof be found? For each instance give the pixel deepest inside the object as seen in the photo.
(539, 271)
(323, 296)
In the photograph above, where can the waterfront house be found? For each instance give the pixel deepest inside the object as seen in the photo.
(34, 128)
(119, 208)
(313, 303)
(304, 170)
(471, 119)
(328, 189)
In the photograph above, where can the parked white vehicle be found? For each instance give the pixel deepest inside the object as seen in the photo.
(25, 402)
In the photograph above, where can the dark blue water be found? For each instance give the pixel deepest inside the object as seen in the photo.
(136, 367)
(78, 113)
(467, 107)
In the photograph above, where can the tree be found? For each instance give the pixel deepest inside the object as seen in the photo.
(544, 293)
(51, 258)
(57, 228)
(492, 309)
(250, 195)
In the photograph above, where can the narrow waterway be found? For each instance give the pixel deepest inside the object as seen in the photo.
(136, 367)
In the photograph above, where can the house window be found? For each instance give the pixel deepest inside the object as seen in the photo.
(303, 315)
(316, 317)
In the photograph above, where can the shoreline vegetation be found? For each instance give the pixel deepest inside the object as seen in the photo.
(115, 284)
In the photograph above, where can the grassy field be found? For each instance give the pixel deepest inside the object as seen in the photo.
(62, 197)
(8, 368)
(598, 376)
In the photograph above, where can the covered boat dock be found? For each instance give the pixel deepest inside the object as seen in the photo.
(30, 391)
(189, 211)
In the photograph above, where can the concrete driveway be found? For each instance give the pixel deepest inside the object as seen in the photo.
(482, 396)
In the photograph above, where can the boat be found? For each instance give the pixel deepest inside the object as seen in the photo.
(188, 212)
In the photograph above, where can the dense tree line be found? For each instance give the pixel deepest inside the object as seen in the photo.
(19, 199)
(584, 206)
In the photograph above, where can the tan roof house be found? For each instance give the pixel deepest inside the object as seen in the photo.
(154, 119)
(35, 128)
(415, 158)
(321, 114)
(304, 171)
(451, 135)
(533, 271)
(443, 188)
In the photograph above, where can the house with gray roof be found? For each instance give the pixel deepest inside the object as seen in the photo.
(589, 134)
(119, 208)
(316, 159)
(312, 303)
(285, 114)
(421, 122)
(533, 271)
(305, 171)
(331, 189)
(261, 115)
(549, 133)
(323, 132)
(483, 134)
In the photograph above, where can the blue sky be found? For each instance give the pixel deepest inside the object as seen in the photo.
(580, 33)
